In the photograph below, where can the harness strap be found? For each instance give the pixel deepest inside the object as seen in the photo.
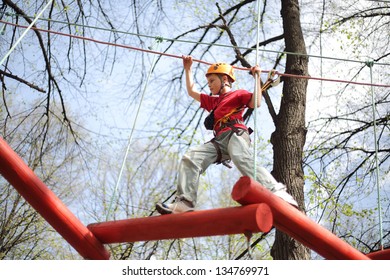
(219, 155)
(226, 118)
(238, 130)
(226, 122)
(218, 149)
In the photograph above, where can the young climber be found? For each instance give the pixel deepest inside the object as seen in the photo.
(231, 141)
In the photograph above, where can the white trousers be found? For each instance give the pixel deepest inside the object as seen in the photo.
(235, 147)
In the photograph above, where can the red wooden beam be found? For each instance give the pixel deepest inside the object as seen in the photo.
(380, 254)
(234, 220)
(51, 208)
(293, 222)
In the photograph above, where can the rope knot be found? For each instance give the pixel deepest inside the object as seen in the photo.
(369, 63)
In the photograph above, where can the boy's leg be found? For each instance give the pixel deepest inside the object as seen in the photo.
(241, 155)
(194, 162)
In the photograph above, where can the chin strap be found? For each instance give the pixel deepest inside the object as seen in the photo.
(223, 84)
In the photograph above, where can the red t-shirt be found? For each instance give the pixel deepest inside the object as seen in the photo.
(225, 104)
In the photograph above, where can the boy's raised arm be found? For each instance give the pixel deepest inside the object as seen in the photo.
(256, 71)
(191, 89)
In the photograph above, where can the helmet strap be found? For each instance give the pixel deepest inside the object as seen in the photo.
(223, 84)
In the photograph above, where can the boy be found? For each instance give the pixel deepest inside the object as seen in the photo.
(231, 140)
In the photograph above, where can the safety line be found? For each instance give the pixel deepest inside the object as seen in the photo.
(196, 60)
(256, 76)
(196, 42)
(24, 33)
(370, 65)
(131, 134)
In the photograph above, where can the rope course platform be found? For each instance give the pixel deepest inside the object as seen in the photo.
(383, 254)
(294, 223)
(261, 210)
(224, 221)
(48, 205)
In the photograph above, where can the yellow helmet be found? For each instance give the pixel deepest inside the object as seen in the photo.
(222, 68)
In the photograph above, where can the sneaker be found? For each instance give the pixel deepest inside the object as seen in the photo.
(286, 197)
(179, 206)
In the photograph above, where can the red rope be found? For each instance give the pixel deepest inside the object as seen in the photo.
(196, 60)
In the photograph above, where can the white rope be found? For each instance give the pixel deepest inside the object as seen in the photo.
(371, 64)
(256, 93)
(131, 134)
(24, 33)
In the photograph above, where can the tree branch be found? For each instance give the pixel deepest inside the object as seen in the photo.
(47, 63)
(240, 57)
(14, 77)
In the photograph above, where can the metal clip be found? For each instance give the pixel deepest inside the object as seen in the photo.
(271, 82)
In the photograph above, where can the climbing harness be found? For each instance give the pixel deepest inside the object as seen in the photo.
(223, 123)
(219, 154)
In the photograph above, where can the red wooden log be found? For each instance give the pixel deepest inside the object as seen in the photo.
(234, 220)
(380, 254)
(51, 208)
(294, 223)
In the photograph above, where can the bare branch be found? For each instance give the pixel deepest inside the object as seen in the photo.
(14, 77)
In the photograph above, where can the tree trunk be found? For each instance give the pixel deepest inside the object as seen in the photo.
(289, 137)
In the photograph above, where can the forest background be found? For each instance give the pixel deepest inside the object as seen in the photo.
(69, 109)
